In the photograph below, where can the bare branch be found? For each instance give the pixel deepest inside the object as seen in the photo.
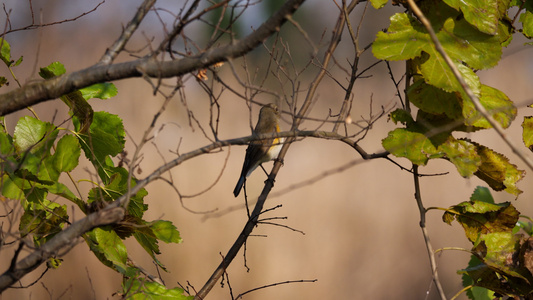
(41, 91)
(35, 26)
(269, 183)
(276, 284)
(429, 247)
(112, 52)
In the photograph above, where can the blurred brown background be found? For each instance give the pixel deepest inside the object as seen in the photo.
(362, 237)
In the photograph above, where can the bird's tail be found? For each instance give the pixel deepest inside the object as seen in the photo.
(239, 185)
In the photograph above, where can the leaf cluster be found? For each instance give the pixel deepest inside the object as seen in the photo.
(501, 257)
(473, 35)
(33, 160)
(474, 42)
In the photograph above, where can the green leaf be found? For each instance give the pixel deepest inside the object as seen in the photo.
(35, 136)
(526, 226)
(437, 73)
(106, 137)
(10, 189)
(463, 42)
(108, 247)
(5, 52)
(505, 32)
(377, 4)
(79, 107)
(166, 231)
(52, 70)
(46, 172)
(6, 144)
(102, 91)
(483, 14)
(410, 144)
(482, 194)
(402, 116)
(434, 100)
(527, 132)
(5, 55)
(135, 288)
(527, 23)
(3, 81)
(116, 186)
(36, 196)
(500, 247)
(147, 235)
(476, 292)
(146, 238)
(405, 39)
(43, 219)
(137, 206)
(67, 154)
(18, 62)
(62, 190)
(497, 105)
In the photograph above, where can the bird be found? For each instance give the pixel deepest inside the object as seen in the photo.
(264, 150)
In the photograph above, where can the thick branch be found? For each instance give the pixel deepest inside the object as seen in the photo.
(64, 239)
(41, 91)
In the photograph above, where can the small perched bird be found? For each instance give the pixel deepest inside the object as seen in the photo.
(261, 151)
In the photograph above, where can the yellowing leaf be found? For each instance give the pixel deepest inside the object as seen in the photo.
(463, 155)
(527, 133)
(497, 171)
(377, 4)
(479, 218)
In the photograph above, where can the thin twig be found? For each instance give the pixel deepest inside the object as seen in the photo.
(112, 52)
(276, 284)
(34, 26)
(429, 247)
(269, 183)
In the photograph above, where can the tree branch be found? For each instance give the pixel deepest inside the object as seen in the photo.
(269, 183)
(41, 91)
(45, 90)
(429, 247)
(63, 239)
(112, 52)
